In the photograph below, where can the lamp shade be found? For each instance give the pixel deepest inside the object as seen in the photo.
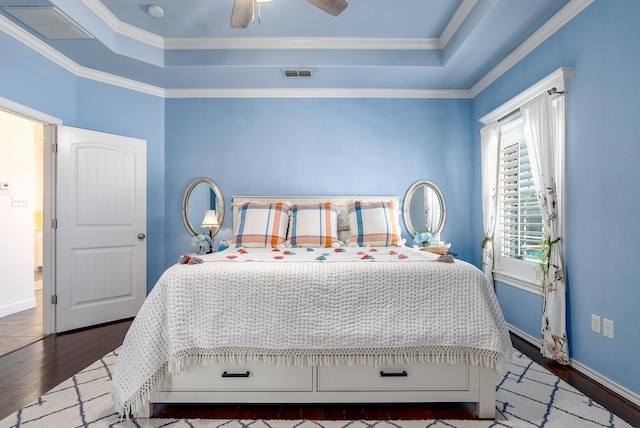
(210, 219)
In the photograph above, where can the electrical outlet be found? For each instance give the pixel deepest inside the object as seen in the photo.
(595, 323)
(608, 328)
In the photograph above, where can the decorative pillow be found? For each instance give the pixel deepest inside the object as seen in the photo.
(374, 224)
(262, 225)
(314, 225)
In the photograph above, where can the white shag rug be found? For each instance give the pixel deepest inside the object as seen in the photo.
(528, 395)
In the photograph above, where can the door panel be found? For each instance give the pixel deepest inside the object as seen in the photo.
(101, 210)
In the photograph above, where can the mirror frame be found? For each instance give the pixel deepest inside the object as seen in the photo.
(185, 204)
(407, 206)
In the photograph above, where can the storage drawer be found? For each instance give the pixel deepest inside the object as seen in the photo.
(241, 377)
(408, 377)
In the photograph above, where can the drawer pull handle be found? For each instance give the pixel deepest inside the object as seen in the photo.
(403, 373)
(245, 374)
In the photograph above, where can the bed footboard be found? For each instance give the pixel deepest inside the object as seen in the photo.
(258, 383)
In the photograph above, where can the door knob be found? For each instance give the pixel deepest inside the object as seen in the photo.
(141, 236)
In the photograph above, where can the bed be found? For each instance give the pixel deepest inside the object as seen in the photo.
(328, 306)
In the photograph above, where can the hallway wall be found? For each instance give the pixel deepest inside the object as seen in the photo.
(17, 169)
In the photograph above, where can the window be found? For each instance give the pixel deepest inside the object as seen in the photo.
(520, 223)
(519, 230)
(509, 196)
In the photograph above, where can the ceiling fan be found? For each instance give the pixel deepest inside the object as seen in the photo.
(243, 10)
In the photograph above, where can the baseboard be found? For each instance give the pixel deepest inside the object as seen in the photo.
(591, 374)
(607, 383)
(525, 336)
(20, 306)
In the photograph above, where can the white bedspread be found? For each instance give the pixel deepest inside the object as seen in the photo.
(315, 306)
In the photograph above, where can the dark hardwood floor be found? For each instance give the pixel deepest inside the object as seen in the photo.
(27, 373)
(608, 399)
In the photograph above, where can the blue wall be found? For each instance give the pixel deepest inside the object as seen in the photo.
(32, 80)
(115, 110)
(318, 147)
(603, 182)
(29, 79)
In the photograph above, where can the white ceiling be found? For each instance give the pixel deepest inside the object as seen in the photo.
(400, 45)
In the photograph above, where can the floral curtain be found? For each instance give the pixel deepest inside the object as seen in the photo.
(542, 140)
(489, 137)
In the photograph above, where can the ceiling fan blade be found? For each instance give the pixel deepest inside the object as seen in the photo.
(242, 13)
(332, 7)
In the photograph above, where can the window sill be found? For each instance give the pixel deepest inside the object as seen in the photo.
(517, 281)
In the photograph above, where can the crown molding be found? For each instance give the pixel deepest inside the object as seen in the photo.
(56, 57)
(319, 93)
(458, 18)
(122, 82)
(565, 15)
(558, 79)
(154, 40)
(36, 44)
(123, 28)
(45, 50)
(300, 43)
(560, 19)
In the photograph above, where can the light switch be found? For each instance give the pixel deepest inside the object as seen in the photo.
(18, 202)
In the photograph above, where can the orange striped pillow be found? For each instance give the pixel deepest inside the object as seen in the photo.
(314, 225)
(262, 225)
(374, 224)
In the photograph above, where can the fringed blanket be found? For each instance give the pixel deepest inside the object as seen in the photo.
(310, 307)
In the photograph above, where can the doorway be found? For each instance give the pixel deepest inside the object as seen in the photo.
(21, 228)
(62, 289)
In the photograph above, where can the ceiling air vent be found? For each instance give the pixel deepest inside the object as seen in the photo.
(49, 21)
(296, 73)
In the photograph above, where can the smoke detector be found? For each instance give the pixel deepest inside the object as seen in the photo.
(155, 10)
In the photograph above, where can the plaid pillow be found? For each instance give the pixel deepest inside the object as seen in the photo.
(262, 225)
(314, 225)
(374, 224)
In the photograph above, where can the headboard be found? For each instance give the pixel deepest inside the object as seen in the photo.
(341, 201)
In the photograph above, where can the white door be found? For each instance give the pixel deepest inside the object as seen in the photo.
(101, 226)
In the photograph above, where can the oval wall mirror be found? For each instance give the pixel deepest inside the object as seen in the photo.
(202, 195)
(424, 208)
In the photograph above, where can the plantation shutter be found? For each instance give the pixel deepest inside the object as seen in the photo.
(520, 221)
